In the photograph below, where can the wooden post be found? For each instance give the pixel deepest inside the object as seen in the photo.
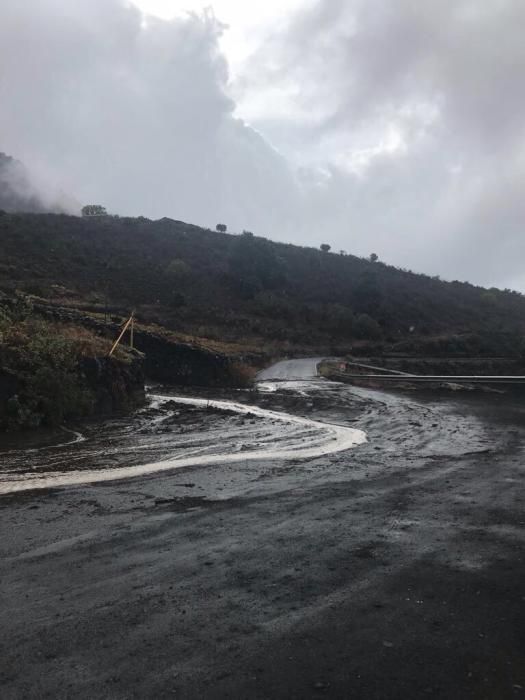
(117, 341)
(131, 331)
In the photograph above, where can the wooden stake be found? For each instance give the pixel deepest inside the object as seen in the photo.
(117, 341)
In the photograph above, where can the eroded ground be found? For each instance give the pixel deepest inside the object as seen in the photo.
(391, 570)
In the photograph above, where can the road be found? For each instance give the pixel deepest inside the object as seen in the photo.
(291, 370)
(393, 569)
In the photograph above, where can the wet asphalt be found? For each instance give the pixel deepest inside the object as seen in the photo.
(392, 570)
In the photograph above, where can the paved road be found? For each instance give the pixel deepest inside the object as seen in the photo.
(291, 369)
(391, 571)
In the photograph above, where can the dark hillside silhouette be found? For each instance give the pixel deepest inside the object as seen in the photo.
(243, 287)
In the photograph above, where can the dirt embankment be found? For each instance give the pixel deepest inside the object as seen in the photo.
(166, 359)
(117, 386)
(96, 386)
(53, 371)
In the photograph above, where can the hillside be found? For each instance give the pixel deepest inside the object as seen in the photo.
(247, 289)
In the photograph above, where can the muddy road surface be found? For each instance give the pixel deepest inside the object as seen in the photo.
(309, 539)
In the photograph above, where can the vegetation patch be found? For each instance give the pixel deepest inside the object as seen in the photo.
(52, 372)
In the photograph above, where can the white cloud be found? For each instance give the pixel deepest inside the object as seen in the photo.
(249, 23)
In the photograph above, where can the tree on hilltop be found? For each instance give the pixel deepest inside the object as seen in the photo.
(94, 210)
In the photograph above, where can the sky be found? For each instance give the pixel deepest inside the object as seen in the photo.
(387, 126)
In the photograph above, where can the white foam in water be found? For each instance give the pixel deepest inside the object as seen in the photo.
(302, 439)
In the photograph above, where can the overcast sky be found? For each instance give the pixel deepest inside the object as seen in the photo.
(387, 126)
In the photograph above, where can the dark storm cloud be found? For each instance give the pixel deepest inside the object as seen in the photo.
(415, 114)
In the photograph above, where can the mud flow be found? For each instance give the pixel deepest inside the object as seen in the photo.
(175, 432)
(272, 423)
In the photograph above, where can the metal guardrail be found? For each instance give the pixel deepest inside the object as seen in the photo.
(438, 378)
(377, 369)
